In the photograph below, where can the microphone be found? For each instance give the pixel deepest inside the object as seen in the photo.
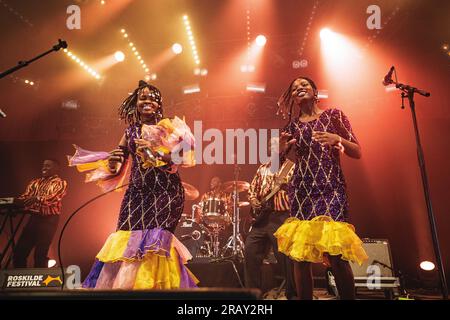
(2, 114)
(387, 80)
(61, 45)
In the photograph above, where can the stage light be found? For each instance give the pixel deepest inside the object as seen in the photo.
(203, 72)
(135, 51)
(70, 104)
(256, 87)
(27, 81)
(82, 64)
(119, 56)
(51, 263)
(177, 48)
(195, 88)
(261, 40)
(153, 76)
(427, 265)
(190, 35)
(325, 34)
(445, 47)
(340, 54)
(197, 71)
(102, 2)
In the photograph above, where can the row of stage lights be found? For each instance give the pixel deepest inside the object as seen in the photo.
(135, 51)
(187, 26)
(82, 64)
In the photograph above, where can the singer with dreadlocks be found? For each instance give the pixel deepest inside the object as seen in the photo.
(143, 253)
(317, 231)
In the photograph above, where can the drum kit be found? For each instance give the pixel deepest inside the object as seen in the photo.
(202, 231)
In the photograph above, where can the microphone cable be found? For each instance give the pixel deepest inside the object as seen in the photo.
(67, 222)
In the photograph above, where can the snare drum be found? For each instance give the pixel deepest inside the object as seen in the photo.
(215, 211)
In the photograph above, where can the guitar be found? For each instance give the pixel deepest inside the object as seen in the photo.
(258, 214)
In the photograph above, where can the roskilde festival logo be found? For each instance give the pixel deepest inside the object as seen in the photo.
(32, 281)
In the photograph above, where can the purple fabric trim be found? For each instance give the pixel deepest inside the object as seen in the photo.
(83, 156)
(186, 280)
(141, 241)
(91, 279)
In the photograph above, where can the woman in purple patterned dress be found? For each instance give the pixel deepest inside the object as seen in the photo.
(317, 230)
(143, 253)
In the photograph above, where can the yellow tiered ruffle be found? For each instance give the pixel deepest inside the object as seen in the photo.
(152, 259)
(309, 240)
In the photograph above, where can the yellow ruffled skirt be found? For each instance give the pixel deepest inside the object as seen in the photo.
(309, 240)
(142, 259)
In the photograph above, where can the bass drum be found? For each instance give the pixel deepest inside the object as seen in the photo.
(192, 235)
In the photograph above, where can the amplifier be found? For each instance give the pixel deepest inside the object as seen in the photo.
(377, 273)
(379, 254)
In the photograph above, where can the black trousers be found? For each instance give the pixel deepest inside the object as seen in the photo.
(38, 234)
(257, 245)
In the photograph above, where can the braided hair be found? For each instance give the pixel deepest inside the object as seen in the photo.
(286, 101)
(128, 110)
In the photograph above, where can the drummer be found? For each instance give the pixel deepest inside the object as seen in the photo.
(216, 192)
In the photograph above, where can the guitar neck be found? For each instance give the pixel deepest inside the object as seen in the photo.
(279, 179)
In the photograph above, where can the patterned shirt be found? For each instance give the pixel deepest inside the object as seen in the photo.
(49, 193)
(263, 183)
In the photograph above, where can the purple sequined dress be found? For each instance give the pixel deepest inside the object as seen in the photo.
(154, 198)
(318, 187)
(143, 253)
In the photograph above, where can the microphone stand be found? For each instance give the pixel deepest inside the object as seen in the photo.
(22, 64)
(408, 92)
(398, 273)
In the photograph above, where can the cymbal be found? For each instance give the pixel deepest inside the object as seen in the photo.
(240, 186)
(244, 203)
(190, 192)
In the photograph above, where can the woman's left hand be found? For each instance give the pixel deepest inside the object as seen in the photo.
(326, 138)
